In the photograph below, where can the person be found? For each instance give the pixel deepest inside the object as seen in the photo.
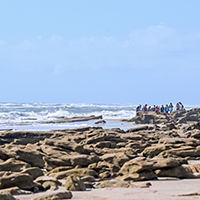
(138, 109)
(171, 107)
(149, 108)
(166, 108)
(145, 108)
(157, 109)
(177, 106)
(154, 108)
(181, 107)
(162, 109)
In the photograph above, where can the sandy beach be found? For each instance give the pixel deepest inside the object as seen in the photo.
(162, 189)
(159, 160)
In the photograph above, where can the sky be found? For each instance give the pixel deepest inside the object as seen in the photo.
(102, 51)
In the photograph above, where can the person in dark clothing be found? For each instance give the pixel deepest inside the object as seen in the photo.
(138, 109)
(162, 109)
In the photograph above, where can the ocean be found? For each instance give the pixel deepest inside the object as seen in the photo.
(37, 116)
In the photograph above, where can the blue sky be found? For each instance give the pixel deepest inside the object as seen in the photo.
(100, 51)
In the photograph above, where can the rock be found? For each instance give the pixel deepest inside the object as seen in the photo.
(139, 128)
(76, 172)
(74, 183)
(52, 163)
(34, 172)
(23, 181)
(182, 152)
(82, 160)
(168, 127)
(103, 166)
(117, 159)
(70, 160)
(72, 146)
(88, 179)
(196, 134)
(24, 137)
(42, 179)
(136, 165)
(195, 168)
(177, 117)
(104, 175)
(178, 172)
(3, 154)
(13, 165)
(185, 141)
(16, 191)
(195, 125)
(31, 155)
(105, 144)
(60, 169)
(118, 184)
(100, 122)
(154, 150)
(166, 163)
(49, 185)
(76, 119)
(57, 195)
(138, 176)
(6, 196)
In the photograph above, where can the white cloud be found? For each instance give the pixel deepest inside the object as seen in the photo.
(154, 47)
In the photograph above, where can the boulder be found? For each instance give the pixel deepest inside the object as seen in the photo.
(6, 196)
(178, 172)
(182, 152)
(3, 154)
(154, 150)
(32, 155)
(34, 172)
(23, 181)
(118, 184)
(57, 195)
(103, 166)
(105, 144)
(138, 176)
(13, 165)
(42, 179)
(74, 183)
(195, 168)
(166, 163)
(49, 185)
(136, 165)
(72, 146)
(16, 191)
(82, 160)
(76, 172)
(117, 159)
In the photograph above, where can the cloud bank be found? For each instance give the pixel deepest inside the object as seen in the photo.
(152, 48)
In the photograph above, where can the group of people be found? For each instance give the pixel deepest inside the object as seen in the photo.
(163, 109)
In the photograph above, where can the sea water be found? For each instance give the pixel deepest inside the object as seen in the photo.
(37, 116)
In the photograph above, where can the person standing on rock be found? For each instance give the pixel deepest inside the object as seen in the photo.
(149, 108)
(145, 108)
(171, 107)
(162, 109)
(138, 109)
(181, 107)
(177, 106)
(166, 108)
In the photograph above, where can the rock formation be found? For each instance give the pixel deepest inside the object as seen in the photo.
(93, 157)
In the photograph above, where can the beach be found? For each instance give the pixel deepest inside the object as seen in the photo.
(147, 156)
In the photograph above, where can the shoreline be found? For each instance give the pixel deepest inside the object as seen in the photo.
(138, 161)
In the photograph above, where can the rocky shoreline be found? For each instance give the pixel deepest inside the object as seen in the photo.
(54, 164)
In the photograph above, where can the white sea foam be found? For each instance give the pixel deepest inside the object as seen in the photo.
(35, 114)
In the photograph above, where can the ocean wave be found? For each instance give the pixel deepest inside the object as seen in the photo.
(37, 113)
